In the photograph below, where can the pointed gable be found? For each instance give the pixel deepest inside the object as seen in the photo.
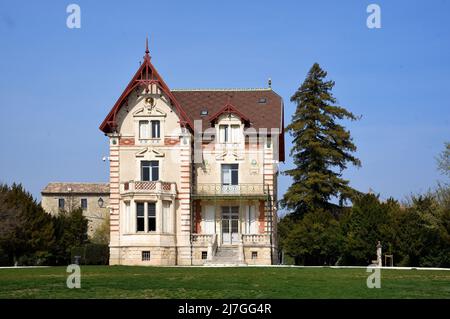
(145, 78)
(229, 109)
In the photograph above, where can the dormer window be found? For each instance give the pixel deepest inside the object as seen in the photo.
(229, 133)
(262, 100)
(224, 133)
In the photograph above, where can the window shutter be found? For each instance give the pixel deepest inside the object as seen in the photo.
(222, 133)
(143, 129)
(226, 175)
(235, 132)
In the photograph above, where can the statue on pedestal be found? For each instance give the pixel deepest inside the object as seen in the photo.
(379, 263)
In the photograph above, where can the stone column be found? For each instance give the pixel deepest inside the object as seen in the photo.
(173, 217)
(184, 255)
(146, 216)
(114, 199)
(159, 215)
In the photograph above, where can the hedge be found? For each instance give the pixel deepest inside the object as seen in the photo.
(91, 254)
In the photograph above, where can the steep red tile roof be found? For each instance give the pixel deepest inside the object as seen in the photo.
(262, 107)
(261, 115)
(144, 77)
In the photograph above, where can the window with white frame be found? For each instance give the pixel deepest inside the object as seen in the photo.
(229, 133)
(156, 129)
(223, 133)
(230, 174)
(144, 130)
(145, 211)
(149, 129)
(235, 133)
(140, 217)
(151, 215)
(149, 170)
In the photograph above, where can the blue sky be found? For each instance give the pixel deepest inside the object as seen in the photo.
(58, 84)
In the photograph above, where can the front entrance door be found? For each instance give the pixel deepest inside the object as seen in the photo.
(230, 225)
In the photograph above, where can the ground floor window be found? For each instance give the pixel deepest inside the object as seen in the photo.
(61, 203)
(145, 255)
(204, 255)
(254, 254)
(151, 217)
(140, 217)
(145, 211)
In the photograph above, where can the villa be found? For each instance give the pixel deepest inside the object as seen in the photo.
(193, 173)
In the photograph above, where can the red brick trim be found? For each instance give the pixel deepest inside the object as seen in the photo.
(126, 141)
(171, 141)
(198, 216)
(261, 217)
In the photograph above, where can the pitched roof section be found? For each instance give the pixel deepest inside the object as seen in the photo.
(263, 108)
(76, 188)
(146, 75)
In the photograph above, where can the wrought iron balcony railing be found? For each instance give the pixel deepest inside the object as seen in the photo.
(211, 189)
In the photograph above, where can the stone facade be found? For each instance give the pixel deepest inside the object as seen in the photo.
(95, 195)
(180, 198)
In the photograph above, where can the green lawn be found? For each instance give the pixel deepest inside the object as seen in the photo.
(245, 282)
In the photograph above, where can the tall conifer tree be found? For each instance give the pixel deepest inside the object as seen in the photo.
(322, 147)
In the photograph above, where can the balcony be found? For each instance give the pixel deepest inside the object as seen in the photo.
(227, 191)
(147, 187)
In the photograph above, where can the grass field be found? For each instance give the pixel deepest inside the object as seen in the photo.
(245, 282)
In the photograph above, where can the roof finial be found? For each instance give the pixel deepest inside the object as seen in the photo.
(270, 82)
(146, 45)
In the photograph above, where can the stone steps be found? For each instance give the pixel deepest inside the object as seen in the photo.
(226, 256)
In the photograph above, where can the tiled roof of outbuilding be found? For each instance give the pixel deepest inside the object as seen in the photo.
(76, 188)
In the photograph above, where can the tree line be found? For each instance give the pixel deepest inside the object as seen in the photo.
(327, 222)
(30, 236)
(330, 223)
